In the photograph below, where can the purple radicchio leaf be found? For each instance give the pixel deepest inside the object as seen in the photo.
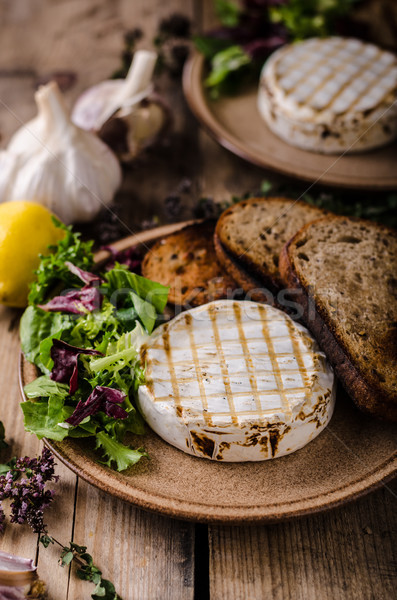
(85, 276)
(65, 357)
(101, 398)
(77, 302)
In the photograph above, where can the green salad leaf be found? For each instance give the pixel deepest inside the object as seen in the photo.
(44, 386)
(130, 307)
(52, 269)
(122, 455)
(36, 326)
(43, 417)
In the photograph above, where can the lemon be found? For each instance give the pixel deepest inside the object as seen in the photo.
(26, 230)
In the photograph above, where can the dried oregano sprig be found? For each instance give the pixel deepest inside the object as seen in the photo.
(24, 481)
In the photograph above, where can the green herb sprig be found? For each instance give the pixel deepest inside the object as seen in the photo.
(24, 480)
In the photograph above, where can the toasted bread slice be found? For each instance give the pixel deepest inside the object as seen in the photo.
(245, 280)
(344, 272)
(252, 233)
(186, 261)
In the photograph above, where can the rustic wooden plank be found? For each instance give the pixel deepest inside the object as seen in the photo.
(145, 555)
(60, 520)
(16, 539)
(345, 554)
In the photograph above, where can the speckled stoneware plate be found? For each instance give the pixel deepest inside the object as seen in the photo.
(237, 125)
(352, 456)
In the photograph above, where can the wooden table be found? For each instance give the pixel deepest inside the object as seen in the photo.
(347, 553)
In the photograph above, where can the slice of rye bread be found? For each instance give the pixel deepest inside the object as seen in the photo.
(344, 273)
(186, 261)
(249, 237)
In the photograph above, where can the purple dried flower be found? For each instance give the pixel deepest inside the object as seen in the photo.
(28, 493)
(65, 357)
(101, 398)
(2, 519)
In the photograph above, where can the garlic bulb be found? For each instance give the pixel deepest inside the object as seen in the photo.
(125, 113)
(52, 161)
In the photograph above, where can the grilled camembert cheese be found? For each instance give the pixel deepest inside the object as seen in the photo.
(235, 381)
(331, 95)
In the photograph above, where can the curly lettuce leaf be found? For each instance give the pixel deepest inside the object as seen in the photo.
(120, 354)
(53, 267)
(118, 453)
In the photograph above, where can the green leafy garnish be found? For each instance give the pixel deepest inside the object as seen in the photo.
(227, 12)
(310, 18)
(53, 270)
(225, 62)
(122, 455)
(43, 417)
(130, 307)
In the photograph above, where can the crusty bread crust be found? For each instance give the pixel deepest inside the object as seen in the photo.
(257, 254)
(247, 282)
(368, 396)
(186, 261)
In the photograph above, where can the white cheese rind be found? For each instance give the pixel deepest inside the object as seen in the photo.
(235, 381)
(330, 95)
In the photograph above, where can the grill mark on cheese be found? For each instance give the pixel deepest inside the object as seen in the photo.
(273, 392)
(325, 80)
(148, 368)
(333, 51)
(174, 381)
(276, 338)
(247, 358)
(363, 69)
(370, 85)
(297, 353)
(215, 361)
(273, 358)
(322, 61)
(232, 375)
(223, 365)
(199, 374)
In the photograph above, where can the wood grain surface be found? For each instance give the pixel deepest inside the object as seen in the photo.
(349, 553)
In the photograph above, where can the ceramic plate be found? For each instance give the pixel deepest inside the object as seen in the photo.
(352, 456)
(236, 124)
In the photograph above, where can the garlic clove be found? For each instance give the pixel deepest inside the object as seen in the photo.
(126, 114)
(129, 132)
(97, 104)
(15, 570)
(52, 161)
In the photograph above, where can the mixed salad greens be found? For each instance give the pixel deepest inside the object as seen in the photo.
(83, 332)
(250, 30)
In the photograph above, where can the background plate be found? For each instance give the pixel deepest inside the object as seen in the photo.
(353, 455)
(236, 124)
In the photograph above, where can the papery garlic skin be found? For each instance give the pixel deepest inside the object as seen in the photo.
(52, 161)
(131, 101)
